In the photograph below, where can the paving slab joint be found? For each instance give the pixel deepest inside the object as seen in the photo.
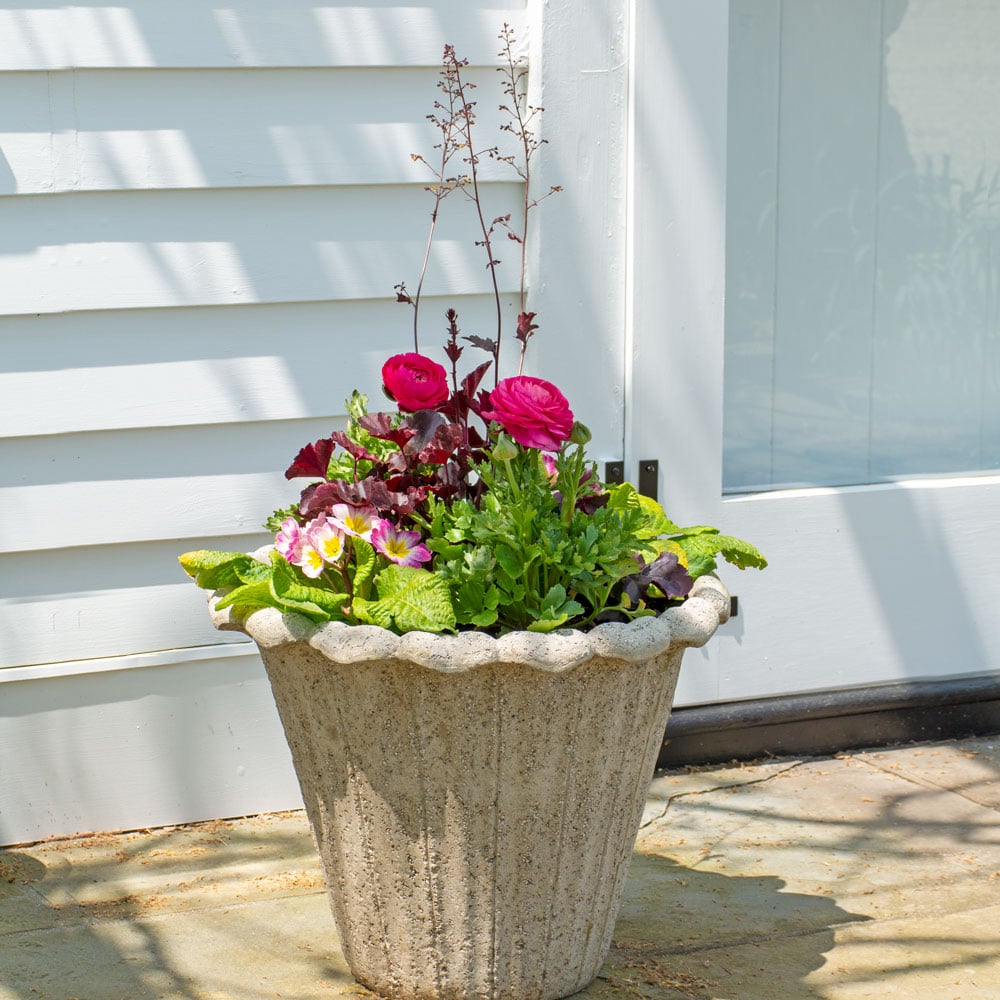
(914, 780)
(719, 788)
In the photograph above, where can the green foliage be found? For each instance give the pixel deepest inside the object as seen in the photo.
(273, 523)
(408, 598)
(697, 546)
(539, 550)
(508, 538)
(524, 560)
(212, 570)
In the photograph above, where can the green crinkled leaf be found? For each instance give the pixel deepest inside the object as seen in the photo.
(212, 569)
(364, 555)
(249, 596)
(372, 613)
(294, 595)
(414, 599)
(702, 549)
(624, 496)
(741, 554)
(695, 529)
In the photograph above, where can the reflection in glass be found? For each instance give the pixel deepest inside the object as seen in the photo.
(863, 241)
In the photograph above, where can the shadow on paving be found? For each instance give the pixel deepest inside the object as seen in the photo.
(672, 914)
(142, 916)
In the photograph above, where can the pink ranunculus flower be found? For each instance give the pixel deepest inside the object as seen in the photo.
(415, 382)
(402, 547)
(532, 411)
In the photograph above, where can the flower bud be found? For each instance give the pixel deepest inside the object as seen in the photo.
(505, 449)
(580, 434)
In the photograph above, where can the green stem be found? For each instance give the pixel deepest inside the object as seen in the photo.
(512, 479)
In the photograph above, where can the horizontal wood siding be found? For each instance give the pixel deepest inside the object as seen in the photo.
(149, 34)
(202, 214)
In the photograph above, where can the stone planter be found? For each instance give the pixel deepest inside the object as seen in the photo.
(475, 800)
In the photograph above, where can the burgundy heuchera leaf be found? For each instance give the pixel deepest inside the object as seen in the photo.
(312, 460)
(379, 425)
(664, 571)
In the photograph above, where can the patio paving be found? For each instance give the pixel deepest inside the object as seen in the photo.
(868, 874)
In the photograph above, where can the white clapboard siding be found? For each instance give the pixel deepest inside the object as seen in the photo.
(125, 368)
(146, 743)
(83, 131)
(203, 213)
(147, 34)
(105, 601)
(112, 250)
(98, 623)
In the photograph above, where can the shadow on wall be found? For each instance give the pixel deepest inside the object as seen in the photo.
(8, 182)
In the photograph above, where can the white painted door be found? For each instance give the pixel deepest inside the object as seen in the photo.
(815, 336)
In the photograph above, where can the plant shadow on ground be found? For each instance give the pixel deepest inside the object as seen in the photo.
(140, 916)
(674, 916)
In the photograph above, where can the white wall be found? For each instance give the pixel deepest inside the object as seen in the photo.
(202, 213)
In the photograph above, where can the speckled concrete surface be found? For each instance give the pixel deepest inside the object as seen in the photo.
(871, 874)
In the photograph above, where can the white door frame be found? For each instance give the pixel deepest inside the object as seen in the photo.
(867, 585)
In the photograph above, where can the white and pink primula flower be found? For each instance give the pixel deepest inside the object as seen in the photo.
(402, 547)
(312, 547)
(311, 561)
(289, 540)
(327, 537)
(356, 521)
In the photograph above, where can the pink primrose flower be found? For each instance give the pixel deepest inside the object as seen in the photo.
(327, 537)
(402, 547)
(357, 521)
(289, 540)
(415, 382)
(532, 411)
(311, 560)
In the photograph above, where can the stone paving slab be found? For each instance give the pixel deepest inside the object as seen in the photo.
(871, 874)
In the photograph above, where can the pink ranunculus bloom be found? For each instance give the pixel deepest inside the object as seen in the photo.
(357, 521)
(551, 472)
(402, 547)
(532, 411)
(415, 382)
(289, 540)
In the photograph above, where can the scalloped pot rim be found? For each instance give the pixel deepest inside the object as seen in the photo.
(690, 624)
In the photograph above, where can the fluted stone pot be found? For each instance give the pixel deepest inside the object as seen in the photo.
(475, 800)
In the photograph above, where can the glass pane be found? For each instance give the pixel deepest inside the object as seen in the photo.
(863, 241)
